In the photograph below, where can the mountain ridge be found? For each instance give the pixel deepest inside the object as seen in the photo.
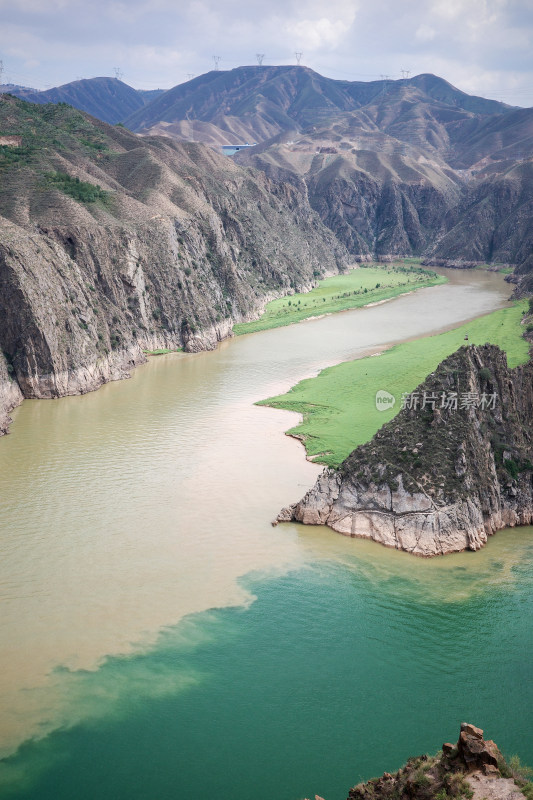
(108, 99)
(284, 98)
(111, 244)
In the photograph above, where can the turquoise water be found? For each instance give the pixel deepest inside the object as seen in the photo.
(336, 672)
(160, 639)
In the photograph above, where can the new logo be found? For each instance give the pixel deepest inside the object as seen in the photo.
(384, 400)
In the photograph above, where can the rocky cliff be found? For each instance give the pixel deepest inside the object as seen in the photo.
(412, 167)
(493, 221)
(111, 244)
(473, 768)
(404, 167)
(452, 468)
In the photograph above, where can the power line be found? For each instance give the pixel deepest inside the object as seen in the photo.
(385, 79)
(372, 75)
(260, 57)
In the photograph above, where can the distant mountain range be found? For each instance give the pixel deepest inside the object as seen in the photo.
(412, 166)
(257, 103)
(113, 242)
(108, 99)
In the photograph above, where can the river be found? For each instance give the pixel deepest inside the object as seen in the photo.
(160, 639)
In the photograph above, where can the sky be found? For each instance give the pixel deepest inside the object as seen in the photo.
(484, 47)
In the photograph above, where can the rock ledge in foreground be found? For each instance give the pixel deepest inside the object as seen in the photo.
(473, 768)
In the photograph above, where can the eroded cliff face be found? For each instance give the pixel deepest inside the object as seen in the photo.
(377, 203)
(417, 169)
(179, 244)
(439, 479)
(492, 223)
(10, 394)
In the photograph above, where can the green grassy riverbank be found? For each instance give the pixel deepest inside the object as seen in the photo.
(338, 406)
(358, 287)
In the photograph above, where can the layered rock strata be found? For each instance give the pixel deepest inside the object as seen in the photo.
(447, 472)
(112, 244)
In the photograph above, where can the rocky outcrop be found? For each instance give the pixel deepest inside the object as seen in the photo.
(474, 751)
(10, 394)
(372, 210)
(175, 245)
(452, 468)
(472, 768)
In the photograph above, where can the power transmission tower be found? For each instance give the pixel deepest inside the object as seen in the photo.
(118, 73)
(298, 58)
(190, 76)
(405, 73)
(260, 57)
(216, 59)
(1, 71)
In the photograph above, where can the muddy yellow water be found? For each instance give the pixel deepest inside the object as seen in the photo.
(124, 510)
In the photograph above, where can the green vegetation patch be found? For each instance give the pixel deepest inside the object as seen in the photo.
(13, 156)
(339, 405)
(47, 129)
(505, 270)
(81, 191)
(95, 144)
(354, 289)
(519, 773)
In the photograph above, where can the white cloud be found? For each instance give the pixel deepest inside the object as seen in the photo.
(425, 33)
(480, 45)
(316, 34)
(450, 9)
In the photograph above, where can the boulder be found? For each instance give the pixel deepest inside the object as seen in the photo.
(477, 753)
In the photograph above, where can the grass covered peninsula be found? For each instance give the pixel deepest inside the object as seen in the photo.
(356, 288)
(338, 406)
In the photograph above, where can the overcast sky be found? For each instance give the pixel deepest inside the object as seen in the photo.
(482, 46)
